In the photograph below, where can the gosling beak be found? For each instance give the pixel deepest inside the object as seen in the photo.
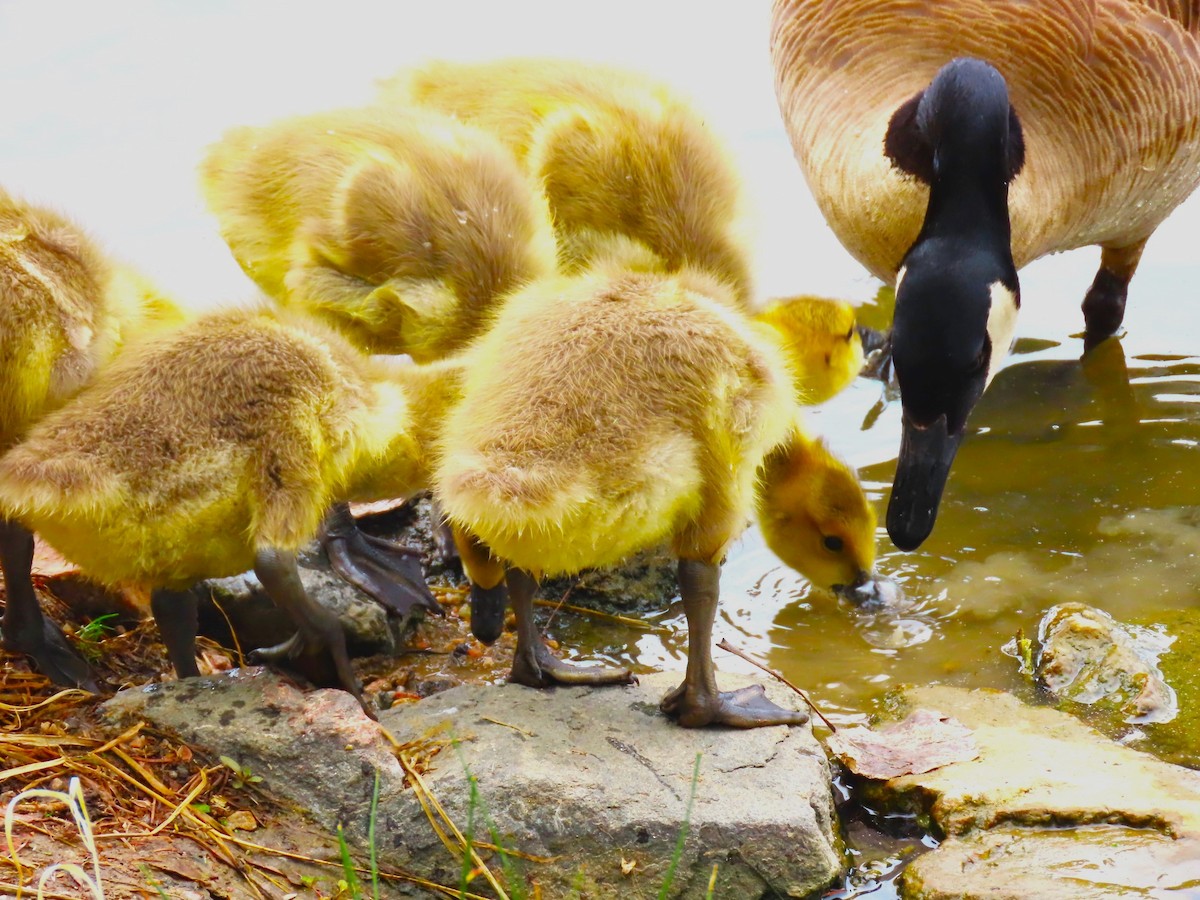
(924, 465)
(863, 591)
(487, 611)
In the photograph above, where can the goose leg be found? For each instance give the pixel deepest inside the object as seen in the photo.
(387, 572)
(533, 663)
(26, 629)
(698, 702)
(175, 613)
(317, 629)
(1104, 303)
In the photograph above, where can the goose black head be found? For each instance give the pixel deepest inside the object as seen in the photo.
(957, 293)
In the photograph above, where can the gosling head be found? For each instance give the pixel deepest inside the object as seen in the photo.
(815, 517)
(823, 347)
(957, 292)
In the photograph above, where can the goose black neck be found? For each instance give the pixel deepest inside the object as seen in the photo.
(965, 116)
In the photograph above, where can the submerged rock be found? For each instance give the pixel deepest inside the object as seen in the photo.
(1088, 657)
(594, 782)
(1051, 808)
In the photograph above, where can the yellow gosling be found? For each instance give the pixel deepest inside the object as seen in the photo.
(822, 345)
(217, 448)
(399, 228)
(610, 412)
(65, 312)
(620, 157)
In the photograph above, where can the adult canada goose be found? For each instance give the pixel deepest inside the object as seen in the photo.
(65, 312)
(950, 142)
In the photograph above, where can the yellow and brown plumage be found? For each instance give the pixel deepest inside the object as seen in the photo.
(66, 311)
(614, 411)
(621, 159)
(198, 448)
(632, 176)
(1107, 92)
(400, 228)
(219, 447)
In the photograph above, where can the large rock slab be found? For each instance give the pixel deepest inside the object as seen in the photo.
(1050, 808)
(593, 781)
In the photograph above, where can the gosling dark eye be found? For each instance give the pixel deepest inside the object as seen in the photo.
(834, 544)
(850, 333)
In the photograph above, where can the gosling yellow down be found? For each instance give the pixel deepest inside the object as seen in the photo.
(618, 410)
(399, 228)
(65, 311)
(217, 448)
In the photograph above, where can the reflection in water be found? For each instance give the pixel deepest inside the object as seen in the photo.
(1077, 484)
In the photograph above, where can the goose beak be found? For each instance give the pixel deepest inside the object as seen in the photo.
(926, 453)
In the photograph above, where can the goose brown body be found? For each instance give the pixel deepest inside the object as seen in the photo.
(1107, 92)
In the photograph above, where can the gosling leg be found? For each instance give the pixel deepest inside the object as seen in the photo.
(26, 629)
(1104, 303)
(533, 663)
(385, 571)
(698, 702)
(175, 613)
(318, 630)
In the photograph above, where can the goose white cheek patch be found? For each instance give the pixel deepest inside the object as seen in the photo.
(1001, 324)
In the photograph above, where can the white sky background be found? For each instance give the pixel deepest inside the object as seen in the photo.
(107, 106)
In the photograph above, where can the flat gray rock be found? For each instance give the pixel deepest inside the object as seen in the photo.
(592, 781)
(1050, 808)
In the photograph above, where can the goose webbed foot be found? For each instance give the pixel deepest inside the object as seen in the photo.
(697, 702)
(533, 663)
(746, 707)
(1104, 303)
(26, 629)
(1103, 308)
(318, 630)
(877, 353)
(53, 656)
(387, 572)
(536, 666)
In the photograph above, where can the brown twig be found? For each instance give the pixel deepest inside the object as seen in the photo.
(729, 648)
(561, 601)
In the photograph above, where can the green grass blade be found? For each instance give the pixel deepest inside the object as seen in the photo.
(665, 890)
(371, 838)
(351, 877)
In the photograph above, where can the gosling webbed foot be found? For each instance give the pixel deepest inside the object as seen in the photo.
(319, 632)
(53, 656)
(385, 571)
(877, 353)
(746, 707)
(538, 667)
